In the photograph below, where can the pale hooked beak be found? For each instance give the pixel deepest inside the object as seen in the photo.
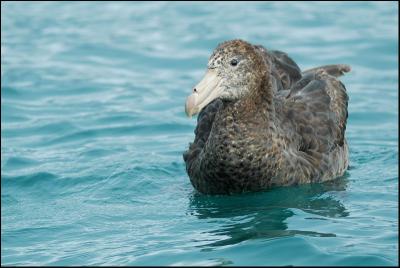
(204, 92)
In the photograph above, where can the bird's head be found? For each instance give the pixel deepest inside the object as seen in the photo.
(234, 69)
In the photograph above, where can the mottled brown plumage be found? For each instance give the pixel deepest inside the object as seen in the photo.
(268, 125)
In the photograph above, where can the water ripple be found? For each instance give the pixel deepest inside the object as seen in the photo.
(93, 130)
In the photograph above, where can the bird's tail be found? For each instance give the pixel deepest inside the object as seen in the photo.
(335, 70)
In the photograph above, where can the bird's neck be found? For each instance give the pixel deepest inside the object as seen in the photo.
(251, 116)
(258, 105)
(248, 120)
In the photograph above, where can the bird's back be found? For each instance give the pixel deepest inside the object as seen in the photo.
(313, 115)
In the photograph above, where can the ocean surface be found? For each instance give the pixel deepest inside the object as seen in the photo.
(93, 129)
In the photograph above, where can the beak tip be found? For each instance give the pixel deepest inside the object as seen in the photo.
(188, 114)
(190, 106)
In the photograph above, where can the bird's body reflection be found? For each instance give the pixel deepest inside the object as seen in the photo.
(264, 215)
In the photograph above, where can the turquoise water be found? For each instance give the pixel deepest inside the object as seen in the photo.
(93, 129)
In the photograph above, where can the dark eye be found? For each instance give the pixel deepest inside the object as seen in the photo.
(234, 62)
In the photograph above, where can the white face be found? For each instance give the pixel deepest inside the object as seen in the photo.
(229, 76)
